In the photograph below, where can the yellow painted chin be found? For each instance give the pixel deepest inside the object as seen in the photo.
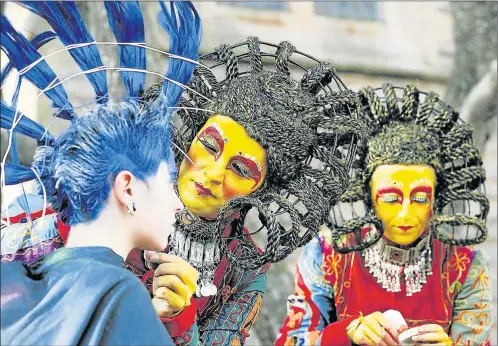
(204, 206)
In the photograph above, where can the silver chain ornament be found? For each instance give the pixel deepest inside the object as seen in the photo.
(387, 263)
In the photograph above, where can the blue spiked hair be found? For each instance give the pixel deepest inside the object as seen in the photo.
(95, 148)
(77, 168)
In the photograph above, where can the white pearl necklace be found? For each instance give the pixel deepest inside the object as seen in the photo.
(414, 263)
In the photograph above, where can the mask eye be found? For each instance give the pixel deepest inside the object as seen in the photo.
(240, 169)
(210, 144)
(421, 200)
(390, 199)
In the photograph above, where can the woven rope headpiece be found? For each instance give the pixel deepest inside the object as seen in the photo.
(412, 127)
(308, 127)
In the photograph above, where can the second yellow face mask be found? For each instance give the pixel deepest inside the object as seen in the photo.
(403, 198)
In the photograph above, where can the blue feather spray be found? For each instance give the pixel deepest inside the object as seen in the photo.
(127, 24)
(14, 155)
(66, 21)
(16, 174)
(21, 54)
(185, 39)
(37, 42)
(26, 126)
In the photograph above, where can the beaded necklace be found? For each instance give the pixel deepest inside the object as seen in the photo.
(387, 263)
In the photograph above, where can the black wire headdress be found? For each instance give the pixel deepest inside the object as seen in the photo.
(308, 126)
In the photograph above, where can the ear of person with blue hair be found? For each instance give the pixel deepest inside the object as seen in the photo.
(110, 176)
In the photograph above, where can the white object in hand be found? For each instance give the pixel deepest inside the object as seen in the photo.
(397, 320)
(405, 338)
(395, 317)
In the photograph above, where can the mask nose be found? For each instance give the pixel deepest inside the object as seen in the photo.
(405, 209)
(215, 172)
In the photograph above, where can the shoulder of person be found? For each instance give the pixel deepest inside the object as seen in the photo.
(121, 275)
(463, 254)
(105, 276)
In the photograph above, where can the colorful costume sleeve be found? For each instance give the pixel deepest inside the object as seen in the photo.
(472, 308)
(232, 324)
(178, 327)
(311, 316)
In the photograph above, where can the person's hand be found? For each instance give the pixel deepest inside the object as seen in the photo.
(373, 329)
(402, 328)
(175, 281)
(431, 334)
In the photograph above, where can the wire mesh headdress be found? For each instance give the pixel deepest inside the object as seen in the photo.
(412, 127)
(106, 122)
(308, 126)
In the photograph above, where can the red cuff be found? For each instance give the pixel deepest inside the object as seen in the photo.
(63, 229)
(335, 333)
(178, 325)
(35, 215)
(148, 275)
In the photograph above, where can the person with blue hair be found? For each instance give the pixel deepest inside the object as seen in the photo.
(110, 176)
(261, 144)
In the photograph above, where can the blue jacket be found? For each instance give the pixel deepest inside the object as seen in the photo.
(76, 296)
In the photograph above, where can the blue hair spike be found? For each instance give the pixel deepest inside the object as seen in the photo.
(77, 168)
(21, 54)
(37, 42)
(185, 39)
(16, 174)
(14, 155)
(66, 21)
(26, 126)
(127, 24)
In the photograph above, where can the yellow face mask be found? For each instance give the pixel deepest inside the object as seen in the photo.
(226, 163)
(403, 198)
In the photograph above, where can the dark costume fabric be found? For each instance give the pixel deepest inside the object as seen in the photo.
(77, 296)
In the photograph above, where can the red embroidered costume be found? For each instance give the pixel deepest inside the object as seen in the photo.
(409, 248)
